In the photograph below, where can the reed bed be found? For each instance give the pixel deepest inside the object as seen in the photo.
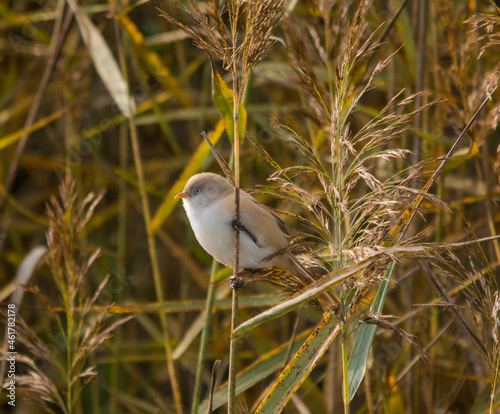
(370, 127)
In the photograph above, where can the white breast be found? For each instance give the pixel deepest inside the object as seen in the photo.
(213, 230)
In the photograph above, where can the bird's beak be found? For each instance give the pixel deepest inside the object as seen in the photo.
(182, 194)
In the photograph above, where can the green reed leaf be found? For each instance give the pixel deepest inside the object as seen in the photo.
(357, 363)
(223, 100)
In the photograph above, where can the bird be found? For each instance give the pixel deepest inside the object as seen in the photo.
(208, 200)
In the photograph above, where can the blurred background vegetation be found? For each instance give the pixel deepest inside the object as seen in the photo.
(66, 68)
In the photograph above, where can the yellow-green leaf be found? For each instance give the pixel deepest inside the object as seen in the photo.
(154, 62)
(300, 366)
(15, 136)
(223, 100)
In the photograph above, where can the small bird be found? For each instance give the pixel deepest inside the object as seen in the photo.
(209, 203)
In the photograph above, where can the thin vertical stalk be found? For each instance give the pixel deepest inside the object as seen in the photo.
(147, 222)
(494, 381)
(234, 302)
(69, 354)
(329, 397)
(368, 389)
(204, 339)
(233, 355)
(95, 393)
(121, 252)
(345, 364)
(420, 79)
(120, 266)
(235, 278)
(417, 154)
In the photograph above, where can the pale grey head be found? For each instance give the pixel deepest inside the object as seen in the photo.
(203, 189)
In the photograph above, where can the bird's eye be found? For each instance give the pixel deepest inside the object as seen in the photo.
(197, 190)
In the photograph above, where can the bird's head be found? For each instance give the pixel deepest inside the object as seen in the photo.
(204, 189)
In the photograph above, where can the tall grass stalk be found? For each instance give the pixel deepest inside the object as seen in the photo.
(234, 11)
(204, 340)
(176, 389)
(345, 376)
(122, 218)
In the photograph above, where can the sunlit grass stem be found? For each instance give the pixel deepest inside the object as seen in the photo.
(345, 363)
(176, 390)
(205, 335)
(234, 302)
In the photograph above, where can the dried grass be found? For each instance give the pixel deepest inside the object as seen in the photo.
(331, 117)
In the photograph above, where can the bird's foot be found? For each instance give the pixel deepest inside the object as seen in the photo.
(236, 282)
(242, 229)
(237, 225)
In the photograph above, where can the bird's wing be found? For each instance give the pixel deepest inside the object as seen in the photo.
(261, 223)
(280, 222)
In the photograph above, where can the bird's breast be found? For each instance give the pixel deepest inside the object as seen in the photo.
(213, 229)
